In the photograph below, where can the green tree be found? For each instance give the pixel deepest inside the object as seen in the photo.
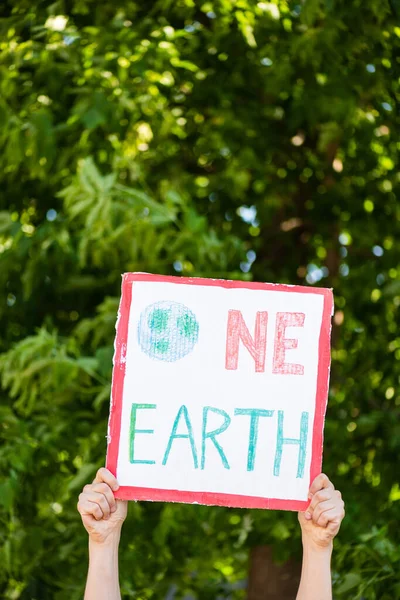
(222, 139)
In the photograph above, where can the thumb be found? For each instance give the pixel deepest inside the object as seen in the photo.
(304, 517)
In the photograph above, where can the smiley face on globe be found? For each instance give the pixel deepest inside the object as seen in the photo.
(167, 331)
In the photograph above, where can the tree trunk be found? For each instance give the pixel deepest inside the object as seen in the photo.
(268, 581)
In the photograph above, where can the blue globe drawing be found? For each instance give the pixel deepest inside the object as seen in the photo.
(167, 331)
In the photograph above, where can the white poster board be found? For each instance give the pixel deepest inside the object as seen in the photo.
(219, 391)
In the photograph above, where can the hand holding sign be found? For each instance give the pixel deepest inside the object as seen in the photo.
(102, 515)
(103, 518)
(219, 391)
(321, 522)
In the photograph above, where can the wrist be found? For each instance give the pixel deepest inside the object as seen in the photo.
(317, 548)
(111, 542)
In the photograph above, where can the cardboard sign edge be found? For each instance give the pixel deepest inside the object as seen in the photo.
(117, 386)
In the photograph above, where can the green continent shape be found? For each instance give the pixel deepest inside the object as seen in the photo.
(158, 320)
(188, 326)
(161, 346)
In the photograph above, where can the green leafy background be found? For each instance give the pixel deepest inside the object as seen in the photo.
(229, 139)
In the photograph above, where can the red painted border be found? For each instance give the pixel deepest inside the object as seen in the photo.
(117, 388)
(210, 498)
(321, 400)
(232, 500)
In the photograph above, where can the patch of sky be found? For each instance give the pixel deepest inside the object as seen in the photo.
(377, 250)
(345, 238)
(315, 273)
(51, 214)
(267, 62)
(248, 214)
(178, 266)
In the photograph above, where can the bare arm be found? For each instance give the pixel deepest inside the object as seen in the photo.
(315, 583)
(319, 525)
(103, 580)
(103, 516)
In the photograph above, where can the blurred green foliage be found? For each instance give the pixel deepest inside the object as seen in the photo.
(226, 139)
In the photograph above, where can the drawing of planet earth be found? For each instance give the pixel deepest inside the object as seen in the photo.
(167, 331)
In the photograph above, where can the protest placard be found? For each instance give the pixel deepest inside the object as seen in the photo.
(219, 391)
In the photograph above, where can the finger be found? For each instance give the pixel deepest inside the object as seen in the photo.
(86, 507)
(320, 514)
(333, 525)
(321, 496)
(104, 488)
(304, 515)
(331, 519)
(104, 475)
(337, 514)
(99, 499)
(330, 510)
(319, 483)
